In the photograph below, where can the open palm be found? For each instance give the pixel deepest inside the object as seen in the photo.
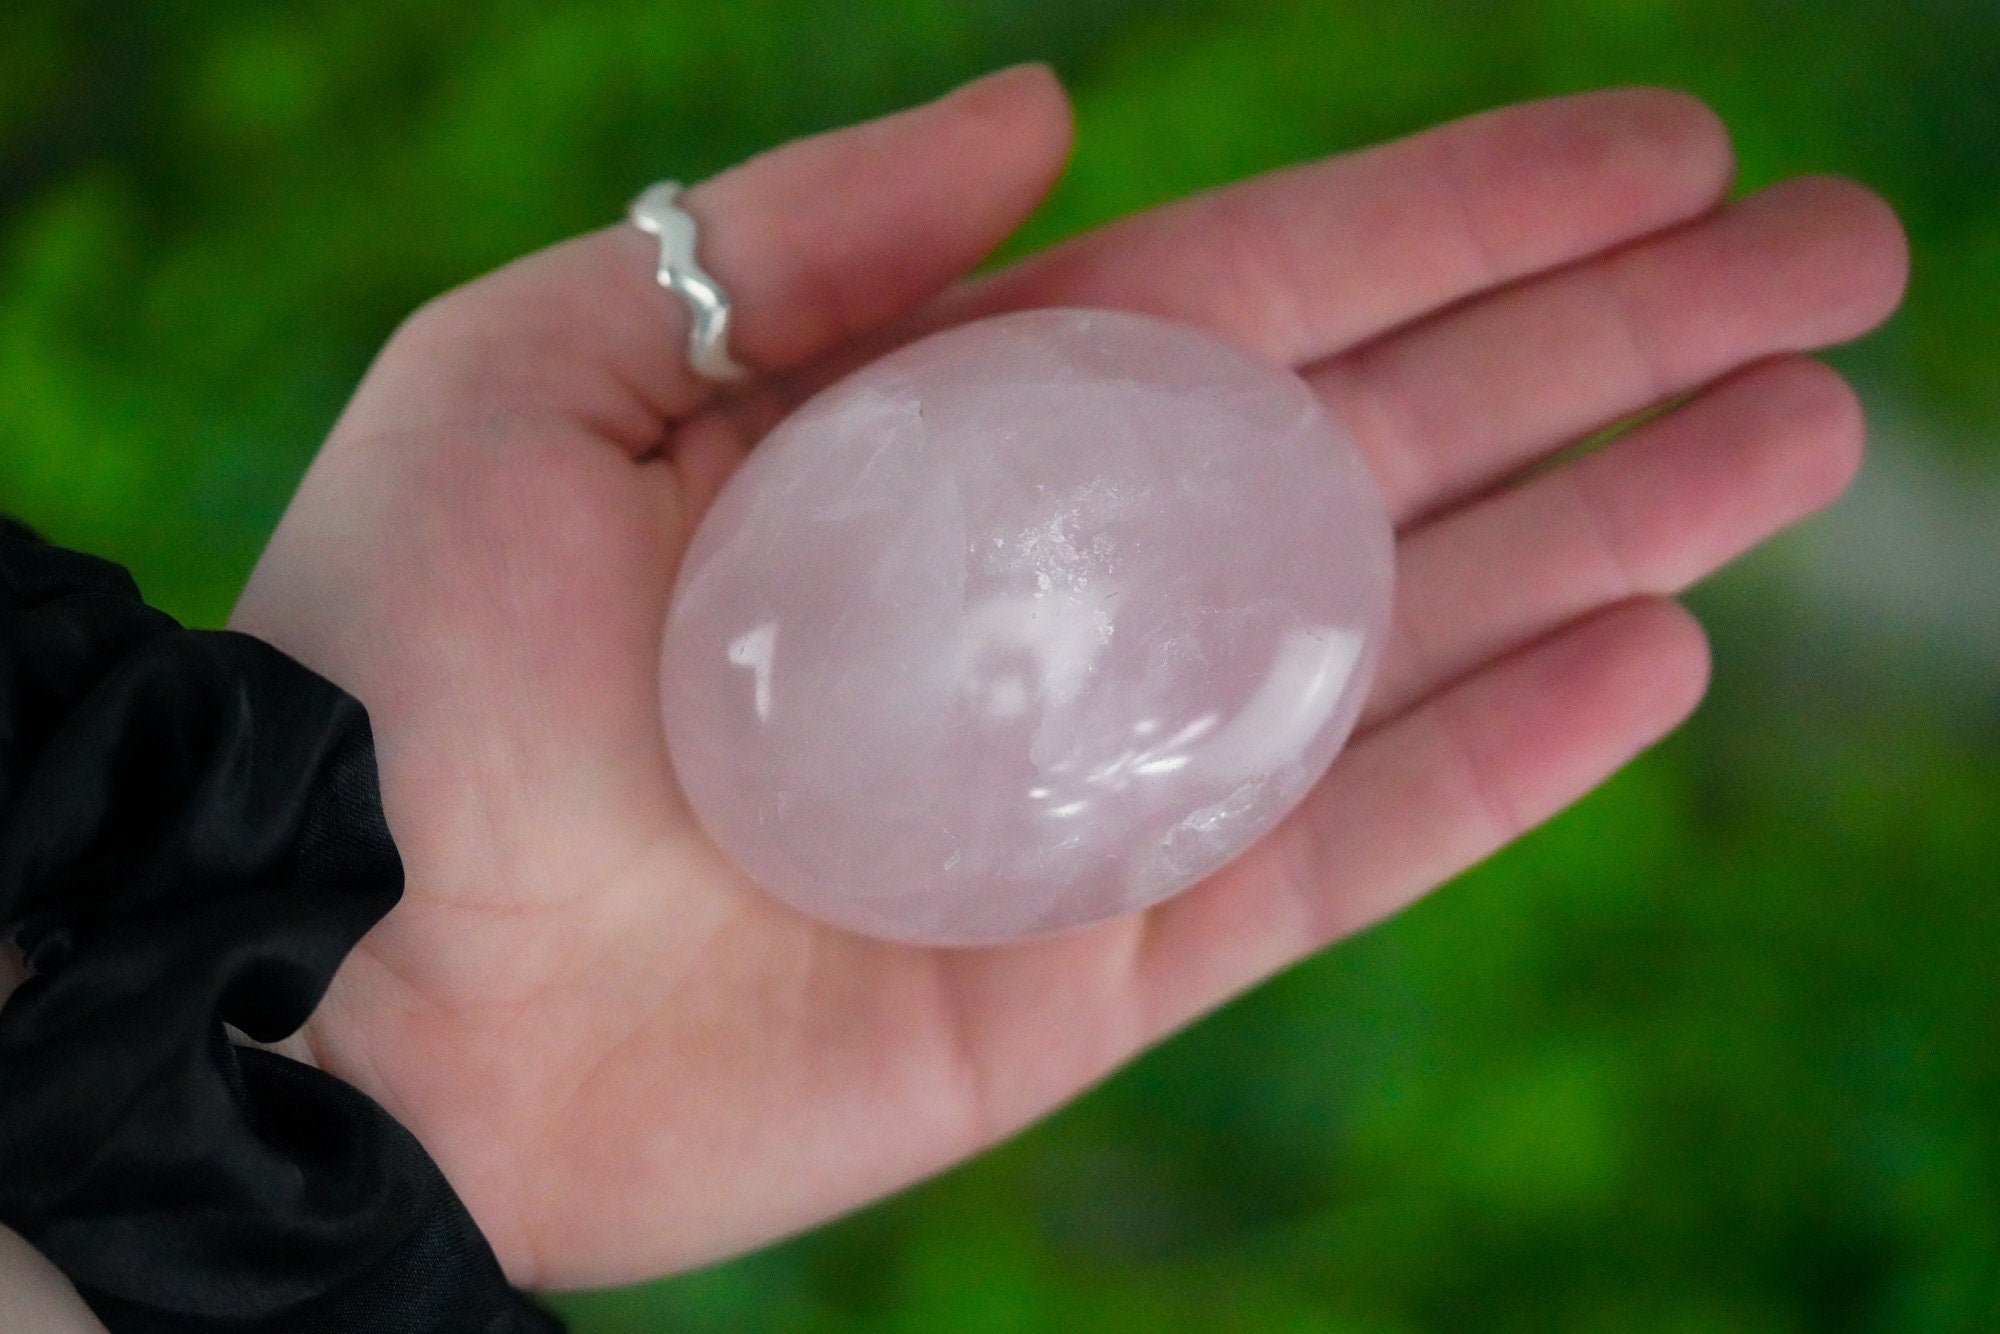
(626, 1057)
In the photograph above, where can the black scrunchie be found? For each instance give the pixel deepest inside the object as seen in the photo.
(191, 835)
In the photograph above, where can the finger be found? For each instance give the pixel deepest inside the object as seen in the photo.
(814, 241)
(1414, 803)
(1301, 263)
(1649, 513)
(1453, 404)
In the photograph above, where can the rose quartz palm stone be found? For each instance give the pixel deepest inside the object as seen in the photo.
(1030, 623)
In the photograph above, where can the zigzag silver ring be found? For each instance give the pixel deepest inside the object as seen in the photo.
(657, 212)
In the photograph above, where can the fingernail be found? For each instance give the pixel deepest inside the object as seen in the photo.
(1003, 85)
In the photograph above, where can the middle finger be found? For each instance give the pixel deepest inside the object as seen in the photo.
(1450, 406)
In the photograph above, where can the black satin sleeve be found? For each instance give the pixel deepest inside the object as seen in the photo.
(191, 835)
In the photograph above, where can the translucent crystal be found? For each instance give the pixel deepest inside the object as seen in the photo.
(1031, 623)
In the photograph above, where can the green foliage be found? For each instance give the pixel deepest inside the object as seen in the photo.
(1715, 1051)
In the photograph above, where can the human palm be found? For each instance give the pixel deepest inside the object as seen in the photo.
(626, 1057)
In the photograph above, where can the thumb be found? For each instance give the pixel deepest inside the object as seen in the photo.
(815, 241)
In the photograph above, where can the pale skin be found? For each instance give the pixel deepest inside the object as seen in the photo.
(630, 1061)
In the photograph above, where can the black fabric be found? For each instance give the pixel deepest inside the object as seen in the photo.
(191, 835)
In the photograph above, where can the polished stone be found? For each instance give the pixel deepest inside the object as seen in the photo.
(1028, 624)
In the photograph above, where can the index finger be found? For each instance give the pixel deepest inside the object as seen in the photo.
(1301, 263)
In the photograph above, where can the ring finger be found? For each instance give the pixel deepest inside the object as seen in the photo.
(1648, 514)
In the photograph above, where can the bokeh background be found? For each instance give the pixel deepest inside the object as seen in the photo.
(1718, 1050)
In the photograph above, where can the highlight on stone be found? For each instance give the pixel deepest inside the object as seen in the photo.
(1031, 623)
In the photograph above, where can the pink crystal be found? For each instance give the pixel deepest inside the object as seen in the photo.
(1031, 623)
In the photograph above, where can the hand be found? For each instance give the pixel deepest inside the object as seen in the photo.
(631, 1061)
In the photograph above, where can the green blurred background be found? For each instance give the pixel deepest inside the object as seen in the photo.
(1718, 1050)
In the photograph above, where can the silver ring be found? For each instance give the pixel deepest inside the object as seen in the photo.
(657, 212)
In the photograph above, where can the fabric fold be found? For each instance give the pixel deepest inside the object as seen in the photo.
(191, 835)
